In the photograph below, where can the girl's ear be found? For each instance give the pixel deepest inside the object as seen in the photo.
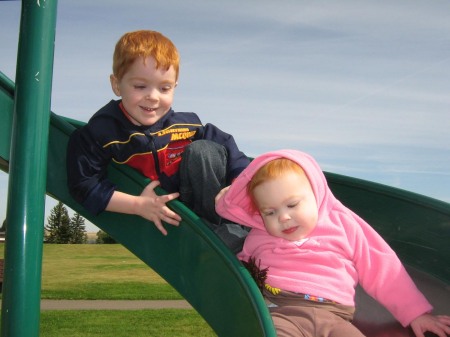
(115, 84)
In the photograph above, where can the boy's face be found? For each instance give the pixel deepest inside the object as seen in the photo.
(288, 206)
(147, 92)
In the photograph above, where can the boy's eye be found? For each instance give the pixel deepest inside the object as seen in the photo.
(139, 86)
(166, 89)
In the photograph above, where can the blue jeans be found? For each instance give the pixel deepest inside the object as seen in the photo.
(203, 173)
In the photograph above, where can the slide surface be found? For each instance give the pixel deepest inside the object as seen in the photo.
(196, 263)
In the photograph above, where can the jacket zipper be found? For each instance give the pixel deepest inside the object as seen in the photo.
(155, 155)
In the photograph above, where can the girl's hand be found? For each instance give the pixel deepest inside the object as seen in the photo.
(439, 325)
(221, 193)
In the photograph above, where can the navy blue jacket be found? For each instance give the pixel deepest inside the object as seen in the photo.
(155, 151)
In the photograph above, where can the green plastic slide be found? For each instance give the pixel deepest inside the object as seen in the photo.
(198, 265)
(191, 258)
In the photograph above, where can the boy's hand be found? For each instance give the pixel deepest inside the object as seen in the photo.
(153, 207)
(148, 205)
(439, 325)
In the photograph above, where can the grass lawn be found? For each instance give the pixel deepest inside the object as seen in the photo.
(109, 271)
(94, 271)
(136, 323)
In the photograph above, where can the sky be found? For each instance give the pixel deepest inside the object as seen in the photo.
(363, 86)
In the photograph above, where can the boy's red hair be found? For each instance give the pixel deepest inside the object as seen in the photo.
(143, 44)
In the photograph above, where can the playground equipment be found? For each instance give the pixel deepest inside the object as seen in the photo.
(191, 258)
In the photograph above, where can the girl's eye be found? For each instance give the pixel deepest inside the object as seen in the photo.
(293, 205)
(267, 213)
(139, 87)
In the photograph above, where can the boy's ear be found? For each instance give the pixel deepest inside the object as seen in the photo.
(114, 84)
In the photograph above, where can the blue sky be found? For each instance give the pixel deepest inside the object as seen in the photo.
(364, 86)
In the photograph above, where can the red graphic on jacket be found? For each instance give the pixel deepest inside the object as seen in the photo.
(169, 160)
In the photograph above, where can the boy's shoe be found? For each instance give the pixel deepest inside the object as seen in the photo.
(232, 234)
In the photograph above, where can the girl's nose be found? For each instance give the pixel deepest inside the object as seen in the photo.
(284, 217)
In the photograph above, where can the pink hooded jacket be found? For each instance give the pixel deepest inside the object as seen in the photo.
(342, 251)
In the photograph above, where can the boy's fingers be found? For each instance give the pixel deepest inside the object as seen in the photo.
(163, 199)
(171, 217)
(153, 184)
(174, 216)
(173, 222)
(160, 227)
(172, 196)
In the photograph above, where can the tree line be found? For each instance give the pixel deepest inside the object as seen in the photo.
(62, 229)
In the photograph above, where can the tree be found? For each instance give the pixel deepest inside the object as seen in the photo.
(58, 227)
(62, 229)
(3, 232)
(78, 229)
(103, 237)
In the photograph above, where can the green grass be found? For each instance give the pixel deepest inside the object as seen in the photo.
(99, 272)
(95, 272)
(109, 272)
(137, 323)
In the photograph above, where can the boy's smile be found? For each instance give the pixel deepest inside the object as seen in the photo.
(147, 92)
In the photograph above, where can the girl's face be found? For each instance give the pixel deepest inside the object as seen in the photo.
(288, 206)
(147, 92)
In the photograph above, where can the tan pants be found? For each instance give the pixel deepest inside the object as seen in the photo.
(296, 317)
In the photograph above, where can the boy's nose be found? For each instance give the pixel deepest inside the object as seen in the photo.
(152, 95)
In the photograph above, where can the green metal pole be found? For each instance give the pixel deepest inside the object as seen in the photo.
(28, 170)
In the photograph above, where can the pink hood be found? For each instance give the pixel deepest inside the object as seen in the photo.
(236, 203)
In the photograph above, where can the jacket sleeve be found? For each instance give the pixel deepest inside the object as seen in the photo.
(383, 276)
(237, 160)
(86, 171)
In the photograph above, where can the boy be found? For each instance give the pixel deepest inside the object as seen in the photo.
(189, 160)
(315, 251)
